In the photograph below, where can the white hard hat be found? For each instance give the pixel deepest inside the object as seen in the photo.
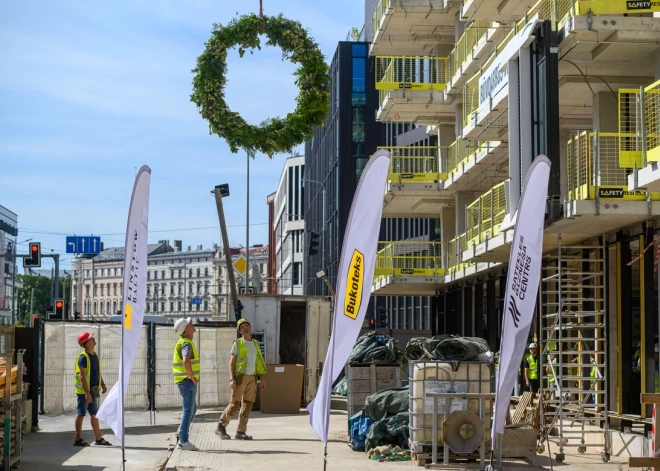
(181, 324)
(532, 345)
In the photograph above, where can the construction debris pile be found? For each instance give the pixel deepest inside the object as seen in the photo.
(3, 378)
(446, 348)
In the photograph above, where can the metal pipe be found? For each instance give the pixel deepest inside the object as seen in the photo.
(247, 229)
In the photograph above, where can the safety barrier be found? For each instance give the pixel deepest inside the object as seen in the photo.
(378, 15)
(417, 163)
(151, 378)
(469, 40)
(455, 249)
(462, 150)
(485, 215)
(409, 259)
(594, 168)
(411, 73)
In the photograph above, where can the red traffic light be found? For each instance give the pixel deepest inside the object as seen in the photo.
(34, 248)
(372, 321)
(59, 304)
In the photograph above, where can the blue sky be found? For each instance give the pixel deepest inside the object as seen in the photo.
(91, 90)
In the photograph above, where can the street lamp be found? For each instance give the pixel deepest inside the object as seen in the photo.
(321, 275)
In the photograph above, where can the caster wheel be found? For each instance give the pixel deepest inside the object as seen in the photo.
(540, 449)
(605, 457)
(582, 450)
(559, 457)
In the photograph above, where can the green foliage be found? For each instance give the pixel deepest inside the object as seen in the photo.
(274, 135)
(42, 292)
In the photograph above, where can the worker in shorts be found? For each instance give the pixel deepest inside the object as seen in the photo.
(88, 384)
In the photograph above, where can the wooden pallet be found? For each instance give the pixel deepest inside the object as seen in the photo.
(422, 459)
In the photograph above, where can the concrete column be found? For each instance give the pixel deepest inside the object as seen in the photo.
(446, 137)
(458, 124)
(605, 112)
(463, 200)
(447, 224)
(460, 27)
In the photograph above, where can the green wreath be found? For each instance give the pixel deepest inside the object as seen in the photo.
(275, 135)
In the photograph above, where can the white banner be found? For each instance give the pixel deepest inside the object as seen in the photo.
(134, 294)
(354, 280)
(522, 285)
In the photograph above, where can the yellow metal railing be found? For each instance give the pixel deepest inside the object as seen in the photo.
(546, 10)
(630, 138)
(470, 39)
(594, 168)
(411, 73)
(455, 249)
(461, 151)
(614, 7)
(409, 259)
(378, 15)
(417, 163)
(485, 215)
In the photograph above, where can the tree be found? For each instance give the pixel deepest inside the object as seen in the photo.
(42, 293)
(356, 34)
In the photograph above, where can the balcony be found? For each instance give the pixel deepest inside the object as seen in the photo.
(411, 89)
(646, 142)
(412, 26)
(416, 164)
(408, 268)
(497, 10)
(475, 46)
(597, 200)
(415, 182)
(484, 163)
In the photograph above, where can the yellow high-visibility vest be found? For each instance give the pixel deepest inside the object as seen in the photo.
(77, 381)
(178, 369)
(241, 360)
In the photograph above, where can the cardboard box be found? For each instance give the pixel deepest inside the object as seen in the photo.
(283, 393)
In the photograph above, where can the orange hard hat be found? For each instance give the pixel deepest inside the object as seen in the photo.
(84, 337)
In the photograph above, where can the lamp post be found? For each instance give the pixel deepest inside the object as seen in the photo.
(247, 229)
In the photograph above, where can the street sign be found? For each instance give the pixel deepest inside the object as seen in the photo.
(195, 300)
(240, 265)
(83, 244)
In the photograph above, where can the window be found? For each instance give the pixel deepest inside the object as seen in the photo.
(358, 50)
(191, 287)
(359, 166)
(95, 307)
(199, 272)
(95, 289)
(199, 307)
(206, 305)
(180, 289)
(163, 274)
(219, 271)
(206, 271)
(359, 89)
(148, 307)
(148, 275)
(179, 305)
(148, 290)
(114, 306)
(114, 289)
(190, 273)
(162, 307)
(101, 290)
(171, 273)
(171, 289)
(155, 275)
(358, 129)
(297, 269)
(171, 307)
(180, 272)
(102, 308)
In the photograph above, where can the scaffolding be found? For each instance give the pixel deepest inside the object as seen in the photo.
(573, 360)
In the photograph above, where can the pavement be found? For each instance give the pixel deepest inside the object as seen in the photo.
(280, 442)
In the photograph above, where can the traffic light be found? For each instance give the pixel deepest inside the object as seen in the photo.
(313, 243)
(59, 309)
(224, 189)
(76, 315)
(372, 323)
(33, 259)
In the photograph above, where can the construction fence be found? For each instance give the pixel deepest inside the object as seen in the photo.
(151, 385)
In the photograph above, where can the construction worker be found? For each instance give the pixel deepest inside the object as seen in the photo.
(246, 366)
(186, 367)
(87, 383)
(531, 369)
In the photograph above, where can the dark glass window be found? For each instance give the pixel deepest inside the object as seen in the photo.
(359, 88)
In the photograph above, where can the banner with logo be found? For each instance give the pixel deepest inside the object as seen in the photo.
(354, 280)
(133, 297)
(522, 285)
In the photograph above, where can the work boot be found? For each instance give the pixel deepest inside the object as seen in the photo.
(242, 436)
(221, 432)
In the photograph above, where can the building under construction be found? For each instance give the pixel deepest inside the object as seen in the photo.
(499, 84)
